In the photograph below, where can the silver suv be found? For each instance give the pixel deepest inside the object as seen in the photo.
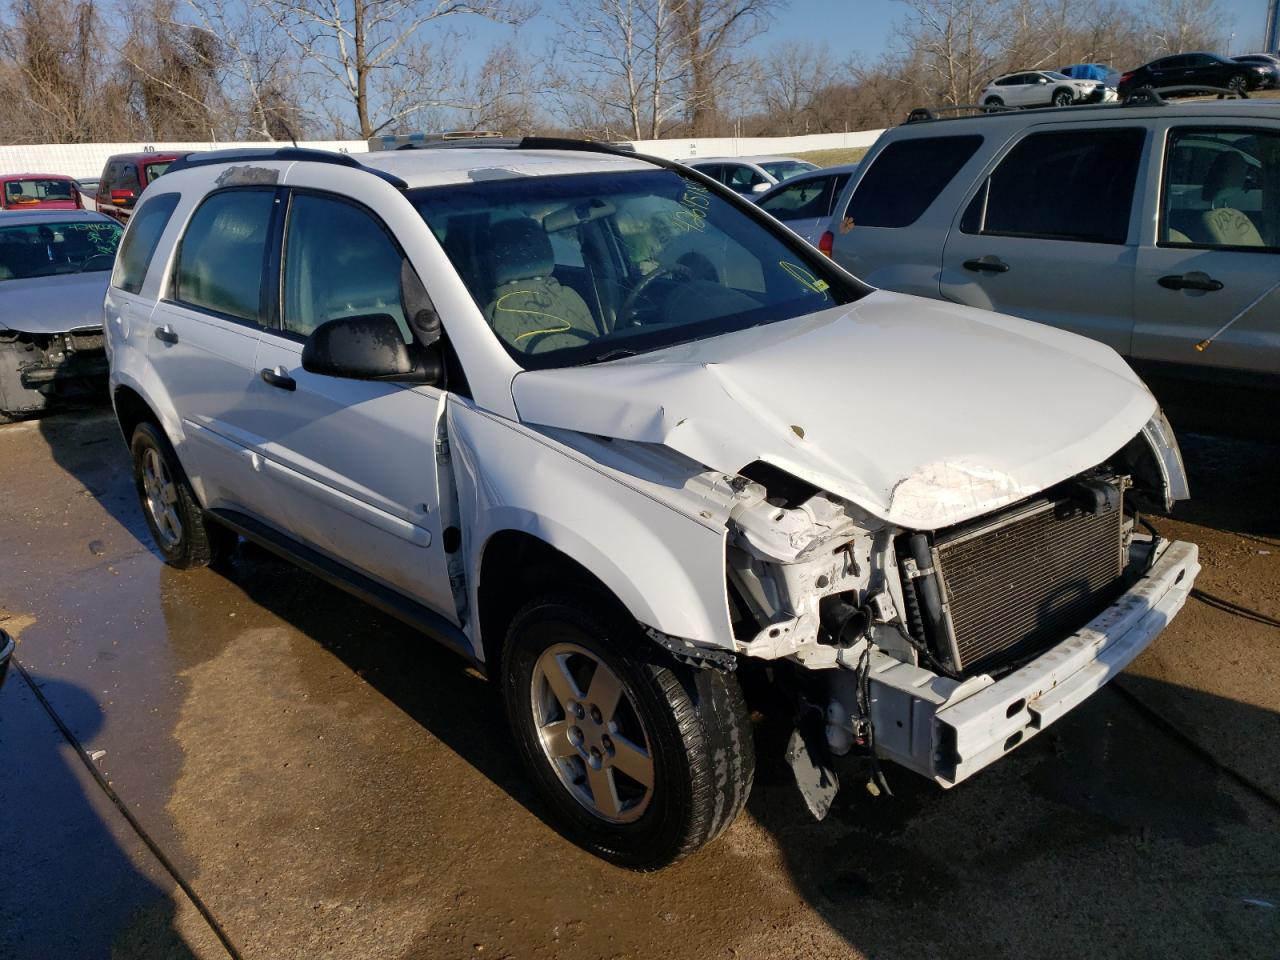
(1153, 227)
(615, 436)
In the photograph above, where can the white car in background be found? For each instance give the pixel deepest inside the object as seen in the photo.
(1041, 88)
(751, 175)
(805, 203)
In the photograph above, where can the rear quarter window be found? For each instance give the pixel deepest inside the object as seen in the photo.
(906, 177)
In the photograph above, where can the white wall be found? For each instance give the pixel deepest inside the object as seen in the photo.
(83, 160)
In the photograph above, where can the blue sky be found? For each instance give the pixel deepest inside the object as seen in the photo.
(863, 27)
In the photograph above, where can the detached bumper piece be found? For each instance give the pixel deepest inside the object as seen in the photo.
(6, 654)
(950, 729)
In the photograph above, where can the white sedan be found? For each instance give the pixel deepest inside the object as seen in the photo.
(1041, 88)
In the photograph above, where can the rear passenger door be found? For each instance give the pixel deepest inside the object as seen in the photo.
(1049, 233)
(351, 464)
(1215, 253)
(203, 341)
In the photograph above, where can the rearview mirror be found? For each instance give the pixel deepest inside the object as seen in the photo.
(369, 347)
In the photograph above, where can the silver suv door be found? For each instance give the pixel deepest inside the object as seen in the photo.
(204, 339)
(1214, 255)
(1048, 233)
(352, 464)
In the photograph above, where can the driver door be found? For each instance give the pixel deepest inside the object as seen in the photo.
(352, 464)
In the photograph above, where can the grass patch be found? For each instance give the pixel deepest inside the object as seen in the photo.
(832, 158)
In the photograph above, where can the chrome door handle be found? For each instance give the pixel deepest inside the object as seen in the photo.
(1195, 280)
(987, 264)
(165, 334)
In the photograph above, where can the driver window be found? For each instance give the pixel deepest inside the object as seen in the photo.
(338, 262)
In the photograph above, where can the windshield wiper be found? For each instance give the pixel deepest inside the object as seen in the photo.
(617, 353)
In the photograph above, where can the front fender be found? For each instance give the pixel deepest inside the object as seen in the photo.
(665, 566)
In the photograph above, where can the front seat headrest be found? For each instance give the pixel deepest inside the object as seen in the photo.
(1227, 172)
(519, 249)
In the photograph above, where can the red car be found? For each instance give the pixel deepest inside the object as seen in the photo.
(124, 178)
(39, 191)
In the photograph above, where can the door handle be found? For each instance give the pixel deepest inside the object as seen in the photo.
(1195, 280)
(279, 380)
(165, 334)
(988, 263)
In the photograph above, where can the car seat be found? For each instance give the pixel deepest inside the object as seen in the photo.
(1225, 183)
(529, 309)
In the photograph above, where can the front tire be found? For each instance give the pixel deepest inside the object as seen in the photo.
(176, 521)
(642, 760)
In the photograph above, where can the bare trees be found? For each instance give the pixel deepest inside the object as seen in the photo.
(375, 51)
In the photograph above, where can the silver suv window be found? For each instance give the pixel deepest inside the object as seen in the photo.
(1221, 189)
(221, 259)
(1067, 185)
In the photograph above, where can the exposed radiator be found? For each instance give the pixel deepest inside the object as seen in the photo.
(1024, 580)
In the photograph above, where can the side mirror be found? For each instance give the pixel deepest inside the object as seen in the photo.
(761, 187)
(369, 347)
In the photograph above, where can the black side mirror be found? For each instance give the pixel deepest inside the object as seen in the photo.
(369, 347)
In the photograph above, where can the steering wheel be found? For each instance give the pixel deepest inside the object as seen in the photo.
(678, 270)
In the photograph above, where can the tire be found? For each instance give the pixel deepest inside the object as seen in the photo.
(1238, 83)
(1063, 98)
(693, 722)
(174, 516)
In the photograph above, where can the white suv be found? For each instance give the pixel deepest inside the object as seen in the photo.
(613, 433)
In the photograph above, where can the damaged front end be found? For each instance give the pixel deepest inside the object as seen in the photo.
(943, 649)
(39, 368)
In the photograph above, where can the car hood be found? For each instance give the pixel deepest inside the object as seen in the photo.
(922, 413)
(69, 301)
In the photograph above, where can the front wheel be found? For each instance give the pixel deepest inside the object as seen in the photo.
(643, 760)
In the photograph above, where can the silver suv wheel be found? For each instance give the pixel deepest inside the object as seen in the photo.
(591, 733)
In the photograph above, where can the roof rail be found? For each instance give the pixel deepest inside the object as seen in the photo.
(931, 113)
(1149, 96)
(207, 158)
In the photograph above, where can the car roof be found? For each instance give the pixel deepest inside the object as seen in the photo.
(433, 168)
(10, 218)
(1252, 107)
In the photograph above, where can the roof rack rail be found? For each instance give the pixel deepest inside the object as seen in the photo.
(931, 113)
(208, 158)
(1149, 96)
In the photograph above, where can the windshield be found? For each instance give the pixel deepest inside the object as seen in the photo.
(580, 268)
(37, 190)
(45, 249)
(783, 169)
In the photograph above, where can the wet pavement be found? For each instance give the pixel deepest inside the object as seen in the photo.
(330, 783)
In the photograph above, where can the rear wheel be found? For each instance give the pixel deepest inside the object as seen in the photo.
(173, 514)
(1063, 98)
(642, 760)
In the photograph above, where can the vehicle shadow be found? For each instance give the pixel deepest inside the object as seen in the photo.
(68, 886)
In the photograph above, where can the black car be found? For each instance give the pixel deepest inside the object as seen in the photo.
(1196, 69)
(1268, 60)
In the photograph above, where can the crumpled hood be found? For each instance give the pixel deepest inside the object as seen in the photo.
(921, 412)
(70, 301)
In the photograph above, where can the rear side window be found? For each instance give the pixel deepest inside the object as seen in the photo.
(140, 241)
(221, 260)
(1073, 185)
(906, 177)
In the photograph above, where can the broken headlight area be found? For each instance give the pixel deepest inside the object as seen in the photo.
(35, 367)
